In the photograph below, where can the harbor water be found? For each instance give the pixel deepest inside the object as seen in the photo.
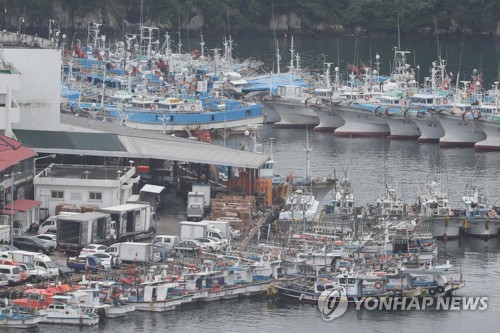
(366, 162)
(365, 159)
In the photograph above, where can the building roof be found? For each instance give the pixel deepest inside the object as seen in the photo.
(22, 205)
(91, 137)
(12, 151)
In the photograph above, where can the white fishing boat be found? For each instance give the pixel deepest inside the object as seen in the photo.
(434, 207)
(390, 204)
(490, 124)
(461, 128)
(291, 105)
(60, 312)
(109, 304)
(482, 219)
(299, 206)
(12, 317)
(155, 296)
(361, 121)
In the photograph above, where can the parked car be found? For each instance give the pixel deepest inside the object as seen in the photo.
(32, 244)
(209, 244)
(105, 258)
(50, 239)
(188, 245)
(92, 249)
(64, 270)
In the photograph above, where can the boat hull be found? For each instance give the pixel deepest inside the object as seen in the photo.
(119, 311)
(361, 123)
(329, 120)
(430, 129)
(297, 296)
(492, 130)
(271, 116)
(482, 228)
(255, 289)
(402, 128)
(459, 132)
(28, 322)
(446, 227)
(294, 114)
(83, 321)
(158, 306)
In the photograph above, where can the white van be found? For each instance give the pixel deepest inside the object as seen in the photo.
(50, 223)
(12, 273)
(44, 266)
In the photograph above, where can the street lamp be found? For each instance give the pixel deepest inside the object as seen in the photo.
(21, 21)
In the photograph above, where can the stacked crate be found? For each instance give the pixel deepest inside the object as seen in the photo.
(235, 209)
(64, 207)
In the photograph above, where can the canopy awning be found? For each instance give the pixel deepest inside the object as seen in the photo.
(21, 205)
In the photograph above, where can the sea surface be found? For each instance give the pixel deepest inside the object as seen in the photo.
(367, 162)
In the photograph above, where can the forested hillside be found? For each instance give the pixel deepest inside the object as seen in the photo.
(478, 17)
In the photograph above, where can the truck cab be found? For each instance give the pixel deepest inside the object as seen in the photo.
(195, 206)
(166, 242)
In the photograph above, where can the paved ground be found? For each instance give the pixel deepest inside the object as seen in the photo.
(171, 212)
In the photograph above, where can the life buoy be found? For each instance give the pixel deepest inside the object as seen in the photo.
(491, 214)
(193, 108)
(367, 98)
(440, 289)
(445, 101)
(181, 108)
(438, 101)
(378, 285)
(153, 107)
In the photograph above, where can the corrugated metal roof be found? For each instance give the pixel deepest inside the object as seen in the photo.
(12, 151)
(69, 140)
(121, 141)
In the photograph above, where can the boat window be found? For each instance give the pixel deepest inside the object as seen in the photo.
(52, 306)
(343, 280)
(320, 287)
(352, 281)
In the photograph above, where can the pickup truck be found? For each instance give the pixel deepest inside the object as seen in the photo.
(83, 263)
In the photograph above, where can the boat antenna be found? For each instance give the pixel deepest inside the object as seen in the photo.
(399, 35)
(437, 38)
(308, 151)
(141, 18)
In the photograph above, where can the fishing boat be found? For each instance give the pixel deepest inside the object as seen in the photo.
(482, 220)
(434, 207)
(60, 308)
(461, 128)
(61, 312)
(156, 296)
(103, 298)
(490, 124)
(307, 290)
(13, 317)
(172, 115)
(299, 206)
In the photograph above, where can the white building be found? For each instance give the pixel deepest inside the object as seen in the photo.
(37, 88)
(84, 185)
(10, 80)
